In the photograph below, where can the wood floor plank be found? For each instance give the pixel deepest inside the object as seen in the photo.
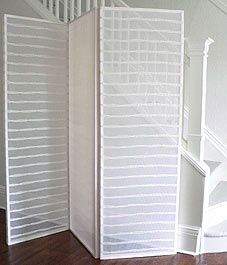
(65, 249)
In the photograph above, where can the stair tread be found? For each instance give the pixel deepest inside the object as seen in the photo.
(219, 194)
(212, 164)
(219, 230)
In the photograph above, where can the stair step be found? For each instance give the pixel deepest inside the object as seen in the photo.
(219, 230)
(219, 194)
(212, 164)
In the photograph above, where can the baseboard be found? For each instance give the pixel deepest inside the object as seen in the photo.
(188, 240)
(2, 197)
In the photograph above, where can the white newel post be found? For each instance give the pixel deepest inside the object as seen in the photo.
(198, 54)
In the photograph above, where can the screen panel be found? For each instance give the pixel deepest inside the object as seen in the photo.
(141, 84)
(36, 127)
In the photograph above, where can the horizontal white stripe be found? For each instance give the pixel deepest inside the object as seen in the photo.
(148, 115)
(33, 46)
(39, 206)
(140, 63)
(58, 58)
(37, 181)
(150, 204)
(141, 232)
(35, 146)
(37, 83)
(37, 129)
(38, 222)
(150, 84)
(150, 30)
(37, 138)
(140, 136)
(36, 101)
(35, 93)
(140, 19)
(36, 37)
(37, 173)
(141, 166)
(139, 214)
(140, 94)
(38, 155)
(51, 29)
(139, 223)
(36, 198)
(38, 214)
(142, 176)
(141, 125)
(38, 164)
(136, 241)
(33, 120)
(140, 73)
(34, 74)
(141, 195)
(139, 145)
(125, 51)
(141, 104)
(139, 186)
(138, 156)
(35, 190)
(40, 230)
(35, 111)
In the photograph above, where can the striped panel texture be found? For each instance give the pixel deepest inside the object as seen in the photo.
(36, 127)
(141, 81)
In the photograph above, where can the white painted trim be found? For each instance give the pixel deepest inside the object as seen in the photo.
(215, 215)
(41, 10)
(188, 239)
(216, 141)
(210, 135)
(200, 166)
(2, 197)
(220, 5)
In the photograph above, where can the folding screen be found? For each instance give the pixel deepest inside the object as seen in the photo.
(141, 80)
(36, 127)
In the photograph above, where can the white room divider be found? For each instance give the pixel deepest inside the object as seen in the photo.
(123, 142)
(141, 81)
(36, 127)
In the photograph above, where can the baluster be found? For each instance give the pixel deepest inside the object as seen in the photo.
(72, 9)
(88, 5)
(51, 6)
(95, 3)
(45, 3)
(103, 3)
(65, 10)
(78, 8)
(57, 9)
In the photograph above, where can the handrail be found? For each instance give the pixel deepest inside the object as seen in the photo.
(220, 5)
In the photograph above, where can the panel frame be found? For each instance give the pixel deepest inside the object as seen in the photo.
(6, 131)
(180, 120)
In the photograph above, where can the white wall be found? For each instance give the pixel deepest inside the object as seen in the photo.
(20, 8)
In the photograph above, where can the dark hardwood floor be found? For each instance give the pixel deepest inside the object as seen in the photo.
(65, 249)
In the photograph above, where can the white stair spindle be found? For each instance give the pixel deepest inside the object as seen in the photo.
(51, 6)
(72, 9)
(88, 5)
(45, 3)
(57, 8)
(65, 10)
(78, 8)
(198, 53)
(103, 2)
(95, 3)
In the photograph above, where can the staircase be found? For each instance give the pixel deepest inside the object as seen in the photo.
(68, 10)
(209, 150)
